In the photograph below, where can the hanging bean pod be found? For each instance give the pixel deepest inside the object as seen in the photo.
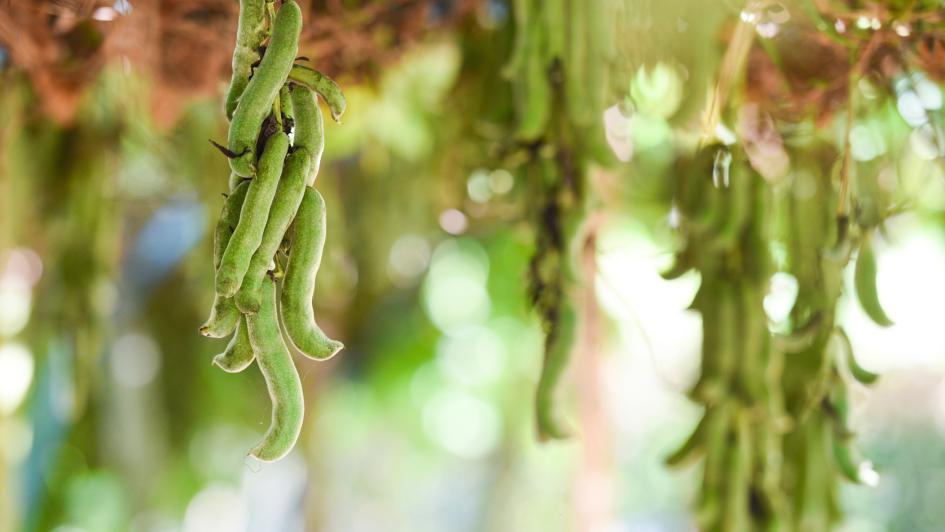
(286, 110)
(256, 102)
(224, 314)
(559, 342)
(324, 86)
(253, 216)
(282, 379)
(285, 204)
(298, 286)
(864, 280)
(309, 129)
(238, 354)
(250, 34)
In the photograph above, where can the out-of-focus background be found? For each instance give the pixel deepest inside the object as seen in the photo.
(112, 417)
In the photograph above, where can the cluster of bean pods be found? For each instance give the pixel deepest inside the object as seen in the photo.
(552, 276)
(774, 433)
(725, 215)
(560, 89)
(272, 226)
(818, 358)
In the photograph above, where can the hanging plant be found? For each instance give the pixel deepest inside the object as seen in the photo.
(272, 226)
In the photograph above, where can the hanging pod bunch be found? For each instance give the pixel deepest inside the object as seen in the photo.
(552, 282)
(271, 201)
(558, 101)
(819, 362)
(774, 435)
(725, 220)
(810, 385)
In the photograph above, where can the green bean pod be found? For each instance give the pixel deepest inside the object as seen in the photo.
(239, 352)
(682, 264)
(229, 219)
(522, 15)
(843, 456)
(559, 343)
(284, 206)
(577, 56)
(817, 476)
(535, 96)
(252, 223)
(729, 341)
(256, 102)
(694, 447)
(858, 372)
(324, 86)
(223, 313)
(282, 379)
(309, 129)
(736, 515)
(714, 304)
(250, 33)
(286, 109)
(864, 280)
(752, 329)
(298, 285)
(235, 180)
(716, 467)
(554, 16)
(223, 318)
